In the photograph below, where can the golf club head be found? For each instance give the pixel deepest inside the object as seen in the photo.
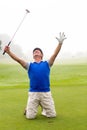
(27, 11)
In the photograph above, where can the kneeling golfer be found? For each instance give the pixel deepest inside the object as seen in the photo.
(39, 73)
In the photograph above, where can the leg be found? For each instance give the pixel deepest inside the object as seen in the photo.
(47, 104)
(32, 105)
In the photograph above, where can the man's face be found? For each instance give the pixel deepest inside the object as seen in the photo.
(37, 53)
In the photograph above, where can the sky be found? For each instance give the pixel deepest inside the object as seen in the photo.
(44, 22)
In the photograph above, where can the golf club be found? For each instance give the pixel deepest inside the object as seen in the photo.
(0, 45)
(27, 11)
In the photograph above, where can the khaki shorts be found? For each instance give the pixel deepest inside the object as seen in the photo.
(45, 100)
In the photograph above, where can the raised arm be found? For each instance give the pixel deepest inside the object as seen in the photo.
(14, 57)
(57, 50)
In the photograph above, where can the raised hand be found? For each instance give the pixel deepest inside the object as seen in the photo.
(61, 37)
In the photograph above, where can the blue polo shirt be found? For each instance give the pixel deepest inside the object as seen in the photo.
(38, 74)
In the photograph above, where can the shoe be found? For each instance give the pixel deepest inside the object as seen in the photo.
(25, 112)
(43, 112)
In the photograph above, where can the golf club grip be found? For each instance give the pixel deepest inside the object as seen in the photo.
(7, 45)
(4, 52)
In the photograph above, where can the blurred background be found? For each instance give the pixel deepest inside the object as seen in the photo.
(44, 22)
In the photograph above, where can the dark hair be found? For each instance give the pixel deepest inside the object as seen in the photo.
(37, 48)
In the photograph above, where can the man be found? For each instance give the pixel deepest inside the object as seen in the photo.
(38, 73)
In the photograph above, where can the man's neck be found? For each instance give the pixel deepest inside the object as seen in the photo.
(38, 60)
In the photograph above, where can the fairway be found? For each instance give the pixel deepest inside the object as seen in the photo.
(69, 89)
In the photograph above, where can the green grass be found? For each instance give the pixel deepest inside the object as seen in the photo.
(69, 89)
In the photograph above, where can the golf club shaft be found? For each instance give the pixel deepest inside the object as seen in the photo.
(27, 11)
